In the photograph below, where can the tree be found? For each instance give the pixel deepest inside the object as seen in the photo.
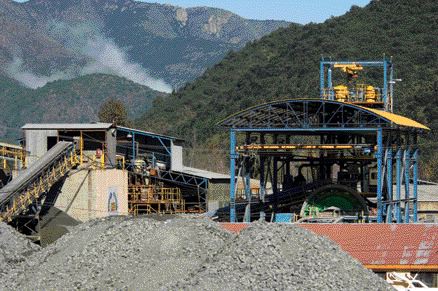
(114, 111)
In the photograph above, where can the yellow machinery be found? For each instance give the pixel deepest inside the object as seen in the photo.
(370, 94)
(149, 199)
(350, 69)
(341, 93)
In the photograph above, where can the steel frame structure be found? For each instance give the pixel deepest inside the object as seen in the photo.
(331, 120)
(325, 77)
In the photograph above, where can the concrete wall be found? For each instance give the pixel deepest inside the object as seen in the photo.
(89, 194)
(177, 158)
(111, 141)
(36, 143)
(218, 195)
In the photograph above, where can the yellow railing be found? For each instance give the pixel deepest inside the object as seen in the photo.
(33, 191)
(152, 199)
(9, 152)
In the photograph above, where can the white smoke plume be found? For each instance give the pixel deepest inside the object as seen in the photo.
(103, 54)
(108, 58)
(17, 71)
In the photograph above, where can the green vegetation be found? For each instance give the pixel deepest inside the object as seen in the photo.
(114, 111)
(76, 100)
(285, 64)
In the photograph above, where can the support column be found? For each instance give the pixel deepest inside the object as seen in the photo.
(407, 179)
(233, 157)
(398, 184)
(415, 182)
(389, 185)
(275, 181)
(379, 156)
(133, 147)
(247, 181)
(262, 181)
(385, 83)
(321, 79)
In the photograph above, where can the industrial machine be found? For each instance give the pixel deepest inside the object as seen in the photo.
(345, 150)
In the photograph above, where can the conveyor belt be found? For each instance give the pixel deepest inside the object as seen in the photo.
(36, 179)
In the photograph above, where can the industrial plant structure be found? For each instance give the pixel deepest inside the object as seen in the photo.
(345, 153)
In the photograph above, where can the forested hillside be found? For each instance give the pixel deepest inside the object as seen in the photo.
(285, 64)
(76, 100)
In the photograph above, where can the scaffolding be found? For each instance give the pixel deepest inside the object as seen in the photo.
(149, 199)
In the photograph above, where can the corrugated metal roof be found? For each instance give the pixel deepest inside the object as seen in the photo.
(204, 173)
(424, 192)
(57, 126)
(384, 244)
(147, 133)
(398, 119)
(379, 246)
(286, 114)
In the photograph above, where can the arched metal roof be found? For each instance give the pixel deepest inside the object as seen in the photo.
(316, 113)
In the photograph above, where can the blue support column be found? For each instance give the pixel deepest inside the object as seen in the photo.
(321, 79)
(262, 181)
(232, 175)
(330, 85)
(415, 189)
(134, 148)
(389, 185)
(247, 182)
(379, 157)
(407, 179)
(391, 88)
(398, 185)
(275, 181)
(385, 83)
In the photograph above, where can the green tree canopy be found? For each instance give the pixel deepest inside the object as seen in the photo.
(114, 111)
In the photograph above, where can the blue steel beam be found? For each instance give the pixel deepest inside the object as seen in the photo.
(407, 179)
(233, 175)
(415, 182)
(321, 79)
(385, 83)
(325, 129)
(248, 182)
(379, 157)
(398, 185)
(389, 184)
(262, 181)
(133, 147)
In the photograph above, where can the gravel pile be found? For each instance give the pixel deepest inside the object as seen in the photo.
(121, 254)
(189, 254)
(14, 248)
(281, 257)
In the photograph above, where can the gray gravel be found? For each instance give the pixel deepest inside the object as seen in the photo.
(281, 257)
(120, 254)
(188, 254)
(14, 248)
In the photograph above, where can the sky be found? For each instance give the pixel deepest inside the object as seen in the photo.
(300, 11)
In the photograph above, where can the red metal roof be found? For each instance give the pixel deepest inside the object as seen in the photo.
(380, 246)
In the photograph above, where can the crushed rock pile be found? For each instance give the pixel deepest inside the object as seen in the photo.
(281, 257)
(14, 249)
(189, 254)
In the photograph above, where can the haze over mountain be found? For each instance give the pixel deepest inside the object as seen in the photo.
(145, 47)
(159, 46)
